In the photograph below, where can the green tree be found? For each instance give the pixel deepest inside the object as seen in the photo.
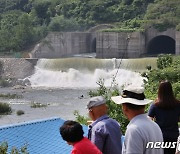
(41, 9)
(24, 31)
(8, 23)
(17, 31)
(163, 14)
(59, 23)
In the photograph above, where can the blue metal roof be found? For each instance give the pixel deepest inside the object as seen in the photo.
(41, 136)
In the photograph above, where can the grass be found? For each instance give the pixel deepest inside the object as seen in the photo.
(10, 96)
(5, 108)
(38, 105)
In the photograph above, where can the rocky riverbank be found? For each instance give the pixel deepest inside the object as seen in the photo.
(13, 69)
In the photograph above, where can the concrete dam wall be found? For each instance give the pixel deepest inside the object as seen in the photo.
(109, 44)
(120, 45)
(58, 45)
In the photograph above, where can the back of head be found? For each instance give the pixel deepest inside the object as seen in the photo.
(95, 101)
(71, 131)
(135, 107)
(97, 107)
(166, 97)
(165, 90)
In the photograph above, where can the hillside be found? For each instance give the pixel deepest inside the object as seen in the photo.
(24, 22)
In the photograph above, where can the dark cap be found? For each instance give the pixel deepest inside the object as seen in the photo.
(95, 101)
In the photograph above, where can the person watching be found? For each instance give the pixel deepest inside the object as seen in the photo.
(141, 130)
(104, 131)
(72, 133)
(166, 113)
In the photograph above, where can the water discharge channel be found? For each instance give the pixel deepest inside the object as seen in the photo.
(85, 72)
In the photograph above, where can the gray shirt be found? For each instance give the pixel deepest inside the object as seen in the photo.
(106, 135)
(140, 131)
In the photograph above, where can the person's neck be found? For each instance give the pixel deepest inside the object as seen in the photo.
(73, 143)
(134, 114)
(98, 116)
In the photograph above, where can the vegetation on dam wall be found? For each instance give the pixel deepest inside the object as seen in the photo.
(24, 22)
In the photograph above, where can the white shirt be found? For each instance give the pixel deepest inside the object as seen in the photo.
(140, 131)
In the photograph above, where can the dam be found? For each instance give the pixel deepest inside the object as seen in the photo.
(106, 45)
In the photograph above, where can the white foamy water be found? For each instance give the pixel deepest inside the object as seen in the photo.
(56, 74)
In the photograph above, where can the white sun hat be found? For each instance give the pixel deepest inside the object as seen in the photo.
(132, 94)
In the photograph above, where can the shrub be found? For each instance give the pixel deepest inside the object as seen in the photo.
(114, 110)
(4, 149)
(59, 23)
(10, 96)
(102, 90)
(81, 119)
(20, 112)
(164, 61)
(5, 108)
(37, 105)
(4, 83)
(168, 69)
(176, 87)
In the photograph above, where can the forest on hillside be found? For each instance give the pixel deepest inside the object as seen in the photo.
(25, 22)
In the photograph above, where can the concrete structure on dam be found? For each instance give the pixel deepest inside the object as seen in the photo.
(109, 44)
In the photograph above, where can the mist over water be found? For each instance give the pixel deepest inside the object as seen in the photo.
(83, 73)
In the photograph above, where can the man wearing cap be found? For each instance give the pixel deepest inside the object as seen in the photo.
(104, 132)
(142, 134)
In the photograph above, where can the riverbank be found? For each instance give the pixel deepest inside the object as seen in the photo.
(59, 103)
(13, 69)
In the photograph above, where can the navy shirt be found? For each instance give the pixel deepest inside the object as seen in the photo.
(166, 119)
(106, 135)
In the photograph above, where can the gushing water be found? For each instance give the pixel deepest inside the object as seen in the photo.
(81, 73)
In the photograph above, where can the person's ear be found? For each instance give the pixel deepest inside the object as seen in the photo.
(90, 113)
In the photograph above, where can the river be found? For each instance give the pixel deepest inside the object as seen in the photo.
(63, 85)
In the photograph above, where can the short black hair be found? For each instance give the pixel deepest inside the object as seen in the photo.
(135, 107)
(71, 131)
